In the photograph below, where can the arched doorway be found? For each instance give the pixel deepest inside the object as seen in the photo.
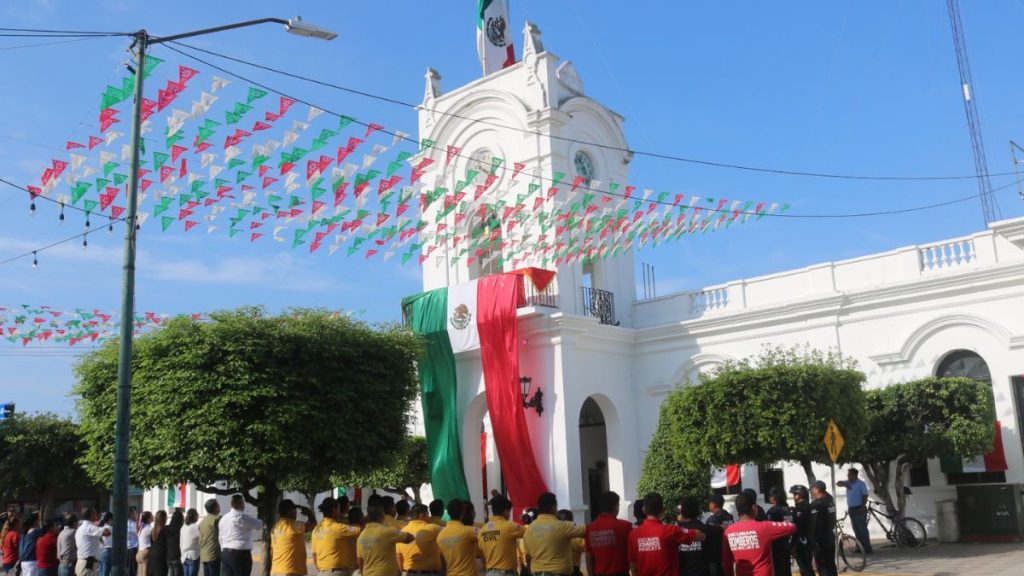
(593, 455)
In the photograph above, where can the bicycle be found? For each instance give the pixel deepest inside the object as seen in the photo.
(904, 531)
(850, 549)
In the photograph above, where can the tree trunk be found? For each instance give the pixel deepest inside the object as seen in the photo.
(878, 473)
(809, 470)
(416, 495)
(45, 503)
(269, 496)
(901, 498)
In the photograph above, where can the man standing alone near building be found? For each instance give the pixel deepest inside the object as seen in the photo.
(607, 540)
(235, 533)
(747, 548)
(498, 539)
(823, 527)
(548, 540)
(856, 503)
(653, 545)
(209, 539)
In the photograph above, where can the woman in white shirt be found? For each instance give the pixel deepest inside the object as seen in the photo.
(145, 541)
(190, 544)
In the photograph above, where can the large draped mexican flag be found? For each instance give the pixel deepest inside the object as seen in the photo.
(478, 314)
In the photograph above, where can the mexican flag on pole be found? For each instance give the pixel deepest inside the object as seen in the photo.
(176, 496)
(994, 461)
(493, 41)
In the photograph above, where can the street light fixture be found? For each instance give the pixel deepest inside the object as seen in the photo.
(124, 368)
(537, 402)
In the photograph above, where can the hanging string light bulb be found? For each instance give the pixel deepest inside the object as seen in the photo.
(32, 207)
(85, 243)
(61, 217)
(35, 260)
(87, 223)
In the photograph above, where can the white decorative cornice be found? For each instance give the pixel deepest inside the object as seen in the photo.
(925, 331)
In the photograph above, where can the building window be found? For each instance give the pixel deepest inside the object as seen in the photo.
(584, 167)
(919, 475)
(964, 364)
(728, 490)
(770, 478)
(976, 478)
(485, 241)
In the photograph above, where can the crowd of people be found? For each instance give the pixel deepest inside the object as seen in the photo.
(439, 539)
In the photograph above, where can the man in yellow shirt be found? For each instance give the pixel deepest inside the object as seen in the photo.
(548, 540)
(375, 547)
(458, 540)
(390, 512)
(498, 540)
(437, 512)
(288, 540)
(422, 556)
(334, 540)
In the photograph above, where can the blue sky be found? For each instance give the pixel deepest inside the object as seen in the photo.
(848, 87)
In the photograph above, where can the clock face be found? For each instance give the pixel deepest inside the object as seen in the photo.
(481, 162)
(584, 166)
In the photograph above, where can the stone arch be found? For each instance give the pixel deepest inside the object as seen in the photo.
(918, 337)
(695, 364)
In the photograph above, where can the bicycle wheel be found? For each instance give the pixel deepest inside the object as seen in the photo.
(852, 553)
(910, 533)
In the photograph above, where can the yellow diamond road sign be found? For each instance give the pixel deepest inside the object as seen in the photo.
(833, 440)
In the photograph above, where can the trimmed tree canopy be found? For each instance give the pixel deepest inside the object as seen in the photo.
(275, 402)
(771, 408)
(37, 454)
(406, 468)
(927, 418)
(668, 471)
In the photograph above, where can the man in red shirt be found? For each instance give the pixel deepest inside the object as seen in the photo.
(607, 543)
(654, 546)
(747, 547)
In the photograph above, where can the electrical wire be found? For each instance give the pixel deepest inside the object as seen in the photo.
(658, 155)
(39, 44)
(81, 32)
(605, 192)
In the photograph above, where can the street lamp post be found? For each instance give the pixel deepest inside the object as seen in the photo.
(119, 562)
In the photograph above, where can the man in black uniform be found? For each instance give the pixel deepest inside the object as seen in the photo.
(823, 527)
(758, 511)
(780, 512)
(695, 557)
(803, 540)
(716, 524)
(719, 516)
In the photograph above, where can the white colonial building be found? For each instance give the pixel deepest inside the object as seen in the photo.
(605, 359)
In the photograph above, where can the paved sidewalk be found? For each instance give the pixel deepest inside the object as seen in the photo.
(937, 559)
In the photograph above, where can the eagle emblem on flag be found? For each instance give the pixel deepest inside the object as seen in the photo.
(460, 317)
(496, 30)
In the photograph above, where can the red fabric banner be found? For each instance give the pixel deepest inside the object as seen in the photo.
(996, 459)
(497, 299)
(539, 276)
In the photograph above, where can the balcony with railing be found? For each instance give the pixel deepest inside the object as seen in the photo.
(599, 304)
(548, 297)
(1001, 244)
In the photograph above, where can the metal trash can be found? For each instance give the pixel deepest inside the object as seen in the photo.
(947, 521)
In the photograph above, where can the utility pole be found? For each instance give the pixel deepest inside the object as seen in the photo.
(118, 553)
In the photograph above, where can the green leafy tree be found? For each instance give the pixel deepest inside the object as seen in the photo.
(406, 470)
(668, 471)
(928, 418)
(259, 402)
(771, 408)
(37, 454)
